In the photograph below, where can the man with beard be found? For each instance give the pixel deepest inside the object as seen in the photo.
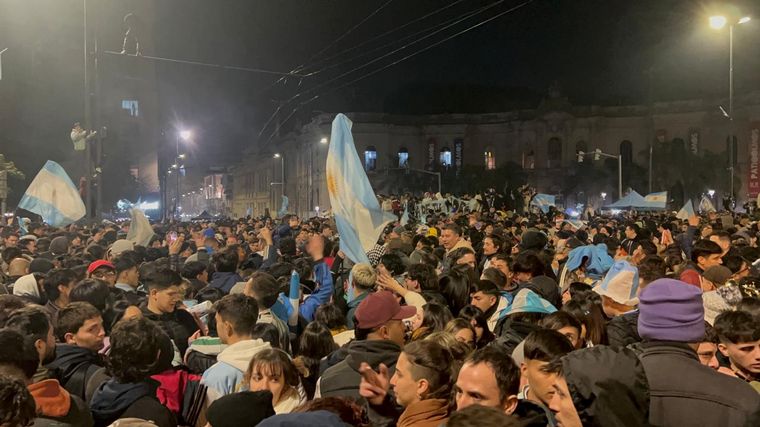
(54, 403)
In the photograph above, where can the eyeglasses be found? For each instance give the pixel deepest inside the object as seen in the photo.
(103, 274)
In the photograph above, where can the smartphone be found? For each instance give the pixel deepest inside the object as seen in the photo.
(172, 237)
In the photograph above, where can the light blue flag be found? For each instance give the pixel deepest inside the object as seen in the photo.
(22, 223)
(284, 208)
(249, 211)
(53, 196)
(405, 217)
(705, 205)
(358, 216)
(543, 202)
(686, 211)
(657, 200)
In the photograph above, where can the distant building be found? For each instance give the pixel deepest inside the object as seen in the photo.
(543, 141)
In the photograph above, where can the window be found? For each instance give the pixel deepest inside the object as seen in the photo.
(446, 157)
(554, 151)
(370, 158)
(490, 160)
(403, 157)
(626, 152)
(131, 106)
(529, 160)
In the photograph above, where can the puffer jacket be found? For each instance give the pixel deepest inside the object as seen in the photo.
(608, 387)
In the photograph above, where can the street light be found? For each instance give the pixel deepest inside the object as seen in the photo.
(186, 134)
(604, 196)
(323, 140)
(718, 22)
(282, 175)
(711, 192)
(181, 156)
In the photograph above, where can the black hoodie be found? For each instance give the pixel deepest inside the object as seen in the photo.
(608, 386)
(114, 400)
(73, 366)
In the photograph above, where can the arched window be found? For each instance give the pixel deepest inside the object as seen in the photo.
(490, 159)
(446, 157)
(626, 152)
(581, 146)
(529, 160)
(554, 153)
(370, 158)
(403, 157)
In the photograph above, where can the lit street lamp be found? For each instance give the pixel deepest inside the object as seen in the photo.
(282, 175)
(718, 22)
(323, 140)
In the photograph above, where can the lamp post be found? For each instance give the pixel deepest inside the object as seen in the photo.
(282, 176)
(718, 22)
(185, 135)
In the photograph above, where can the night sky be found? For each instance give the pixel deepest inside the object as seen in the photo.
(607, 52)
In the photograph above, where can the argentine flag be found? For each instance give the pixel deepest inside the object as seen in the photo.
(358, 216)
(53, 196)
(543, 202)
(657, 200)
(686, 211)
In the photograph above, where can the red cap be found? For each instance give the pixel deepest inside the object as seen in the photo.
(379, 308)
(99, 263)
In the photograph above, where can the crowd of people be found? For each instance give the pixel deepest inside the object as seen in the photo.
(487, 318)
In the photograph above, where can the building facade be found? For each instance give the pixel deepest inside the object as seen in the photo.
(544, 142)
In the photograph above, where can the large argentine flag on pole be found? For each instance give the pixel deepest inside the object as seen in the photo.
(53, 196)
(358, 216)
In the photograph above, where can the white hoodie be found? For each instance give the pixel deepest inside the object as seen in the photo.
(226, 375)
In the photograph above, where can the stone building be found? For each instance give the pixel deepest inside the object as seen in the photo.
(544, 141)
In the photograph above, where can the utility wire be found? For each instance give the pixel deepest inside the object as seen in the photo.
(479, 24)
(410, 36)
(204, 64)
(321, 85)
(328, 47)
(391, 31)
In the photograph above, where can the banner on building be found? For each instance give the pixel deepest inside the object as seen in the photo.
(694, 140)
(458, 154)
(431, 154)
(753, 183)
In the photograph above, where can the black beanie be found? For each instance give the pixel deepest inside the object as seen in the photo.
(243, 409)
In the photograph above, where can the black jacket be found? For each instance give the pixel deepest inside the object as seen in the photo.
(623, 330)
(74, 366)
(343, 379)
(114, 400)
(608, 387)
(179, 325)
(686, 393)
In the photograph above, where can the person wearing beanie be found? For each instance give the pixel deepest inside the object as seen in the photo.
(243, 409)
(719, 295)
(683, 391)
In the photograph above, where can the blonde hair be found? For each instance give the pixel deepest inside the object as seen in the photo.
(364, 276)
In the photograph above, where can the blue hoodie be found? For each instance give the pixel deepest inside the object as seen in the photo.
(225, 281)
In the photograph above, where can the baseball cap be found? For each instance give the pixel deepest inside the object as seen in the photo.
(99, 263)
(119, 246)
(380, 307)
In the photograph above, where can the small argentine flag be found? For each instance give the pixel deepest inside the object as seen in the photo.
(53, 196)
(686, 211)
(543, 202)
(657, 200)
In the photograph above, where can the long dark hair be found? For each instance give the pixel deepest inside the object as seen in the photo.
(315, 343)
(455, 287)
(591, 316)
(474, 314)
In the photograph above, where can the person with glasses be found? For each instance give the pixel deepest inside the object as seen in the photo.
(102, 270)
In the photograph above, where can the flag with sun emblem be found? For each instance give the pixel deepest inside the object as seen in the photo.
(358, 216)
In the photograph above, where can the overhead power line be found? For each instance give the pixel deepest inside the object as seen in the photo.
(396, 62)
(203, 64)
(366, 64)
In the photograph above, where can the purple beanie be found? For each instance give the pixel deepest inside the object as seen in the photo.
(671, 310)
